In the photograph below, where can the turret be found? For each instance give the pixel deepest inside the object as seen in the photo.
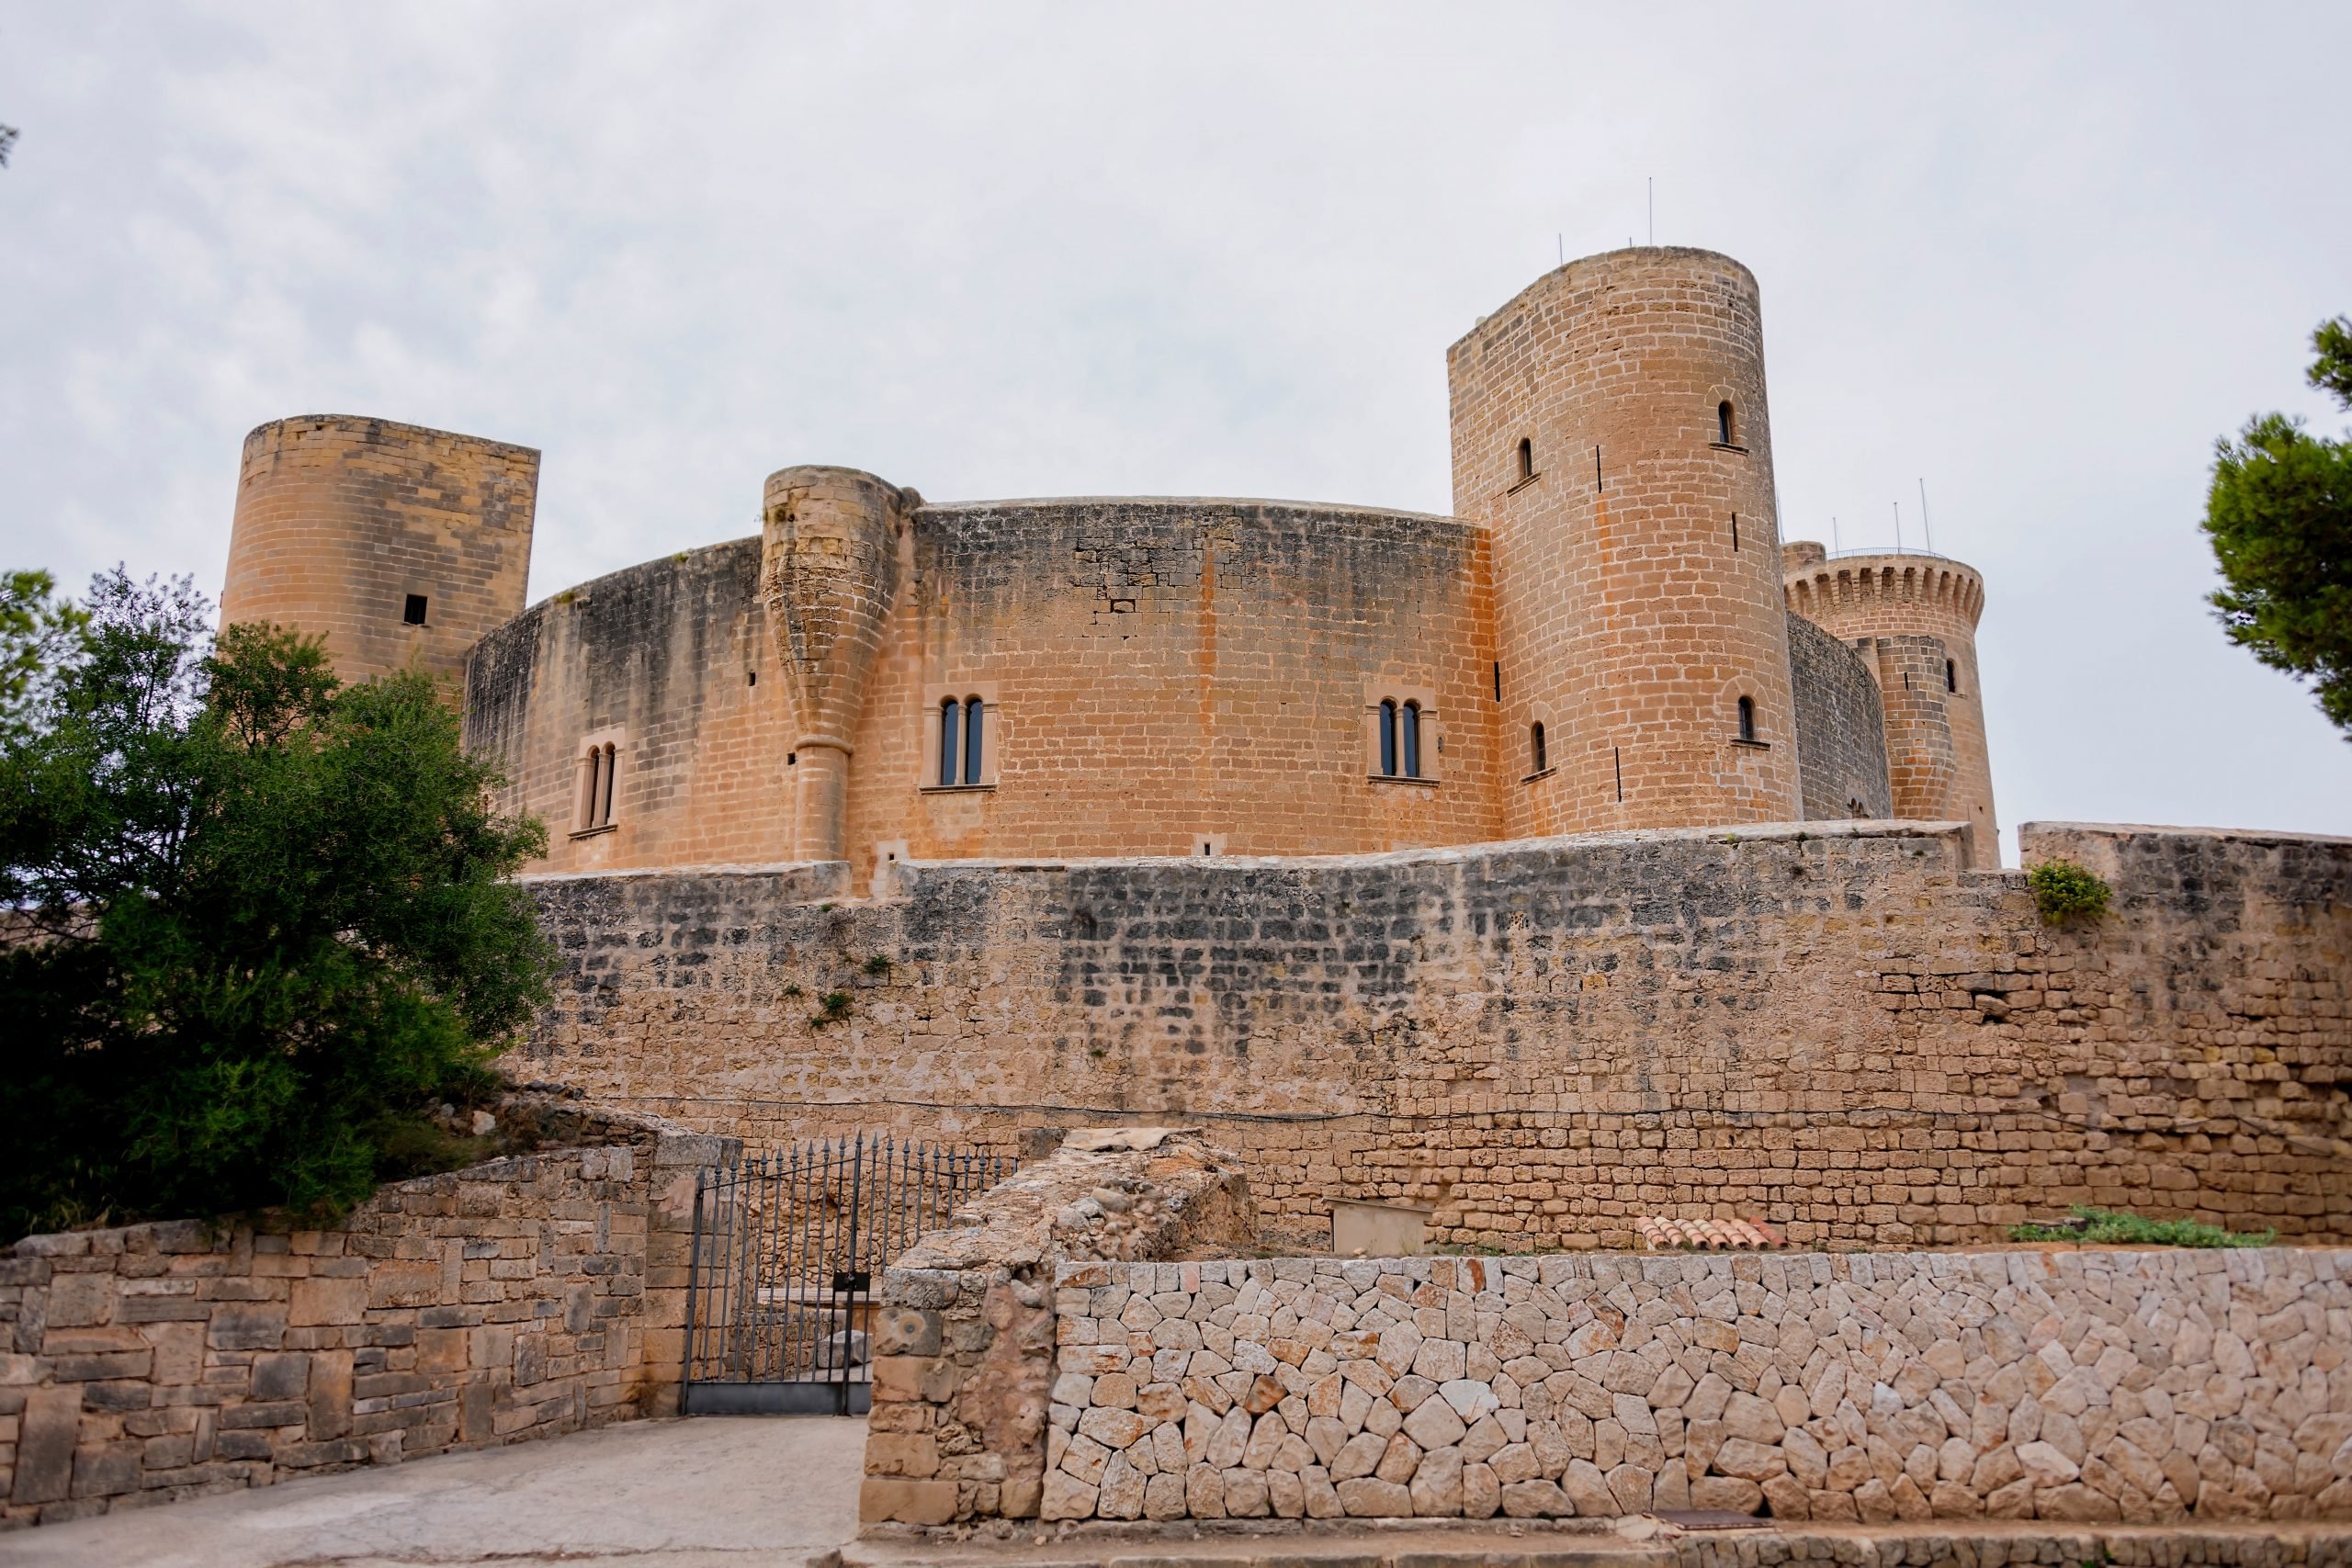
(1912, 616)
(828, 575)
(398, 545)
(1609, 429)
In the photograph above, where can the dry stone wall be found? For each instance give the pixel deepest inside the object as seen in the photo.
(1839, 1030)
(519, 1298)
(2079, 1386)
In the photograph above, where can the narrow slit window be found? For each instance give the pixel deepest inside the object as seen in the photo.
(1526, 459)
(412, 613)
(973, 711)
(1388, 740)
(1952, 676)
(1412, 724)
(948, 737)
(1724, 423)
(1735, 533)
(1535, 747)
(591, 767)
(1747, 718)
(1499, 680)
(604, 813)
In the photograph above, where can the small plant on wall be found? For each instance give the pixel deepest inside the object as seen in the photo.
(834, 1009)
(2065, 892)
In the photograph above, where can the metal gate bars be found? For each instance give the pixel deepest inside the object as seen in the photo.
(785, 1247)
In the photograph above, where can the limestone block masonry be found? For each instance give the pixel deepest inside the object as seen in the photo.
(399, 544)
(2058, 1385)
(1839, 1029)
(519, 1298)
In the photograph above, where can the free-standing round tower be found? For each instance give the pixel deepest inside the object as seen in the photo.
(1610, 430)
(398, 544)
(1912, 615)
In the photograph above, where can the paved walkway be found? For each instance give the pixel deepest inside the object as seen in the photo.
(748, 1492)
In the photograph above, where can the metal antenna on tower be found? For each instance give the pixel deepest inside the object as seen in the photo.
(1651, 180)
(1923, 517)
(1561, 240)
(1898, 527)
(1834, 549)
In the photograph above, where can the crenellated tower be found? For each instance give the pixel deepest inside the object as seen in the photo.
(1912, 616)
(828, 575)
(1611, 431)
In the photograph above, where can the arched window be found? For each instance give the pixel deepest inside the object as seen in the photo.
(1535, 747)
(596, 769)
(1388, 738)
(605, 815)
(1952, 676)
(1412, 726)
(950, 712)
(1747, 718)
(1526, 459)
(973, 710)
(1722, 424)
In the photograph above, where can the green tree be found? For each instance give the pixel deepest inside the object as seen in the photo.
(2279, 516)
(263, 918)
(38, 635)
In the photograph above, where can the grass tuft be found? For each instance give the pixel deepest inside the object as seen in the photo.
(2114, 1228)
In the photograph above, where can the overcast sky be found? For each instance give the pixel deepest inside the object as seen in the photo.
(2040, 256)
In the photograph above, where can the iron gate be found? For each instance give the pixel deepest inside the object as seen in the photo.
(785, 1247)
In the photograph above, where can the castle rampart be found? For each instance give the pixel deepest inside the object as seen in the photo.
(399, 544)
(1839, 1028)
(1610, 430)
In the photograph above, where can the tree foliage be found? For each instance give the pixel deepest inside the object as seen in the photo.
(2279, 516)
(262, 917)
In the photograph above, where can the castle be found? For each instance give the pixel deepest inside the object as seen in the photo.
(1608, 634)
(1587, 854)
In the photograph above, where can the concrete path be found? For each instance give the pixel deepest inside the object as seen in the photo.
(747, 1492)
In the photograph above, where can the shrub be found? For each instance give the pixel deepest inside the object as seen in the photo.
(2110, 1226)
(263, 918)
(2064, 891)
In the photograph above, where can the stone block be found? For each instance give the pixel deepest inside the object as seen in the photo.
(884, 1500)
(52, 1421)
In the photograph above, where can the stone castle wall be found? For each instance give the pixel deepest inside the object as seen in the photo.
(340, 519)
(1841, 728)
(519, 1298)
(1842, 1030)
(671, 662)
(1154, 672)
(2140, 1387)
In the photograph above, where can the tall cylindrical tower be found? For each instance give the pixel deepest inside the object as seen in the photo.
(1912, 616)
(398, 544)
(829, 573)
(1610, 428)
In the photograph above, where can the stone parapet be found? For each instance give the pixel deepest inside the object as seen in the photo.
(519, 1299)
(2073, 1386)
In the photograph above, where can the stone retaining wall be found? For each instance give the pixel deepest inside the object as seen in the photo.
(525, 1297)
(2082, 1386)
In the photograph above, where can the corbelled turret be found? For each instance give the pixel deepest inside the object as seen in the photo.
(828, 574)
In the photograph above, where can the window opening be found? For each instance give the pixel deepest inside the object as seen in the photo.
(1952, 676)
(1526, 459)
(596, 769)
(973, 710)
(1617, 761)
(1722, 423)
(1747, 718)
(1499, 680)
(949, 713)
(1388, 740)
(1735, 533)
(1412, 726)
(751, 677)
(1535, 745)
(412, 613)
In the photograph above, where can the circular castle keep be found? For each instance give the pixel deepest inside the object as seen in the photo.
(1607, 635)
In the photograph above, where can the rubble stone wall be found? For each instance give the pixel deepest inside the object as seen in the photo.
(519, 1298)
(1839, 1029)
(2079, 1386)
